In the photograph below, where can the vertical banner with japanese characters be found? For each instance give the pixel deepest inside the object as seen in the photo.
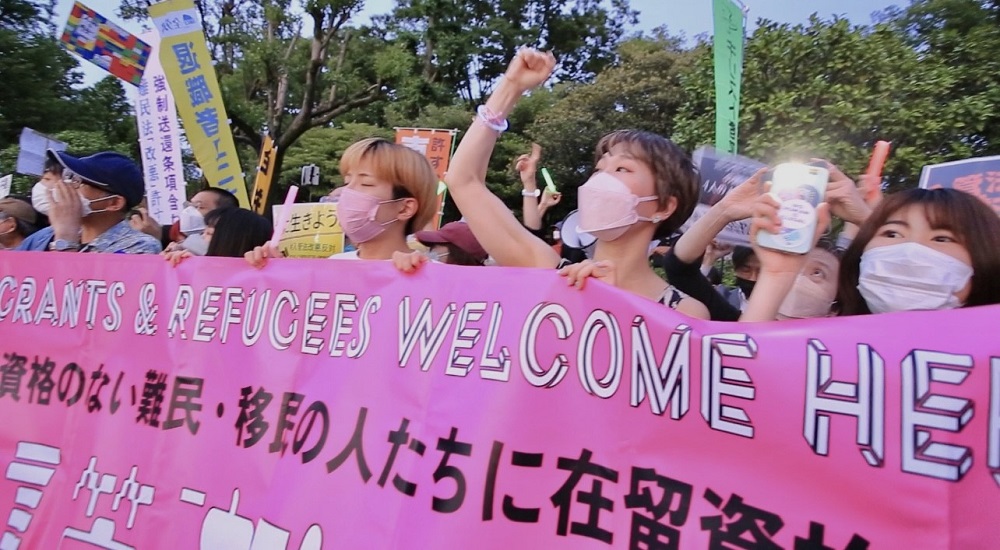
(436, 145)
(265, 175)
(728, 46)
(159, 140)
(977, 176)
(189, 71)
(91, 36)
(343, 404)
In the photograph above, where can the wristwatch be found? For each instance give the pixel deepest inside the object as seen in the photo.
(61, 245)
(536, 193)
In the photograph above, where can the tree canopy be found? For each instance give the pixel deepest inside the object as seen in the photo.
(306, 72)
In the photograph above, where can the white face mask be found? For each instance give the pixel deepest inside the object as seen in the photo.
(910, 276)
(191, 221)
(40, 198)
(86, 209)
(807, 300)
(608, 208)
(195, 244)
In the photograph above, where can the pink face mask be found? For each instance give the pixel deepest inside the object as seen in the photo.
(607, 207)
(357, 212)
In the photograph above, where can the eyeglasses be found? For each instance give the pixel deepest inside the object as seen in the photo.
(74, 180)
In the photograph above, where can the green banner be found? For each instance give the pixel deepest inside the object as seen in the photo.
(728, 19)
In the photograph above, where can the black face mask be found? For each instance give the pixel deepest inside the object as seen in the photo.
(745, 286)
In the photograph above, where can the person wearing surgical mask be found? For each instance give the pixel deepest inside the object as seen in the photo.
(390, 192)
(814, 291)
(86, 200)
(923, 249)
(203, 202)
(643, 188)
(192, 226)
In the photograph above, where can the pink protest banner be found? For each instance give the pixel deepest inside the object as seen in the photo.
(322, 404)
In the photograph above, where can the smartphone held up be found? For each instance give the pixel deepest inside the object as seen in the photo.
(799, 189)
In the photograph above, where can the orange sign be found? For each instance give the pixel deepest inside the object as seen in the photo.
(436, 146)
(433, 144)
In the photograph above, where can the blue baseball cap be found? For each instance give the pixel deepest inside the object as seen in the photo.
(109, 171)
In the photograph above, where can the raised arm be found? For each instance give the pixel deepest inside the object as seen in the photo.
(778, 270)
(736, 205)
(493, 224)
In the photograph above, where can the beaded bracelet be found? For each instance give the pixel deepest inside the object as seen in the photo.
(492, 120)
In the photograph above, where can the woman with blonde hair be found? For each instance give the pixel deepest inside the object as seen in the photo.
(390, 192)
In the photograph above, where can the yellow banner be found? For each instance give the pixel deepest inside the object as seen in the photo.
(265, 175)
(313, 230)
(188, 67)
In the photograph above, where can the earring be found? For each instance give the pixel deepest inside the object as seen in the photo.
(656, 219)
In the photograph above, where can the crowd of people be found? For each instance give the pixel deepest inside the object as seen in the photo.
(917, 249)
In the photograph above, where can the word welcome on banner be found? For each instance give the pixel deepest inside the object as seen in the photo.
(159, 140)
(728, 26)
(91, 36)
(979, 177)
(188, 66)
(342, 404)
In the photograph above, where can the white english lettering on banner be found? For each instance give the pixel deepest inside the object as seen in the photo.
(279, 340)
(113, 320)
(923, 409)
(495, 365)
(183, 304)
(597, 322)
(534, 373)
(719, 379)
(865, 401)
(314, 322)
(422, 331)
(668, 384)
(465, 338)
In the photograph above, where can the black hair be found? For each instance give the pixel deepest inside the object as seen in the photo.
(223, 197)
(236, 231)
(741, 255)
(714, 276)
(974, 225)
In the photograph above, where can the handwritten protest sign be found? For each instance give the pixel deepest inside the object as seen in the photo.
(91, 36)
(342, 404)
(160, 141)
(436, 145)
(720, 173)
(978, 176)
(313, 230)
